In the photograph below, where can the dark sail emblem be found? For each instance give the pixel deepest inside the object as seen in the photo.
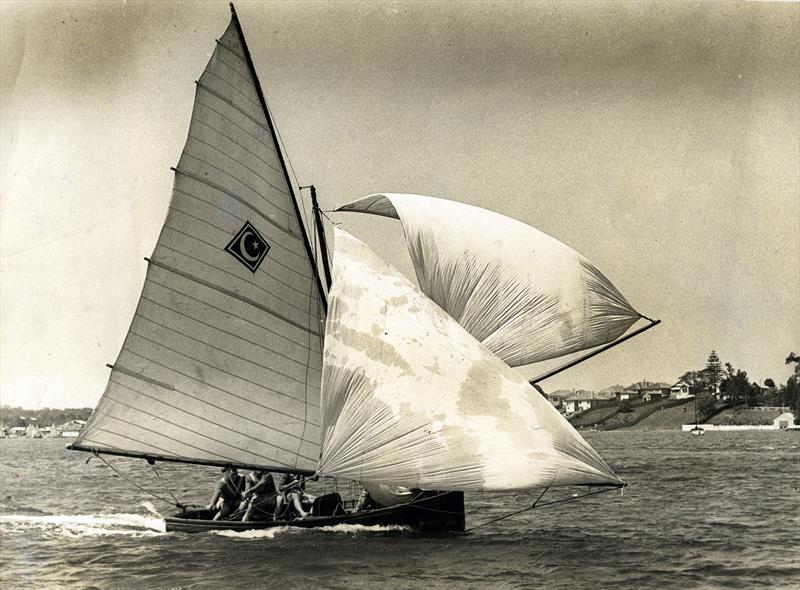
(248, 247)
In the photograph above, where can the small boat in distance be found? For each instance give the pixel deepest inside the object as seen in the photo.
(250, 348)
(697, 430)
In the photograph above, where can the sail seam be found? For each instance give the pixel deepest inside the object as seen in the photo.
(161, 434)
(202, 401)
(233, 334)
(228, 101)
(246, 148)
(238, 317)
(237, 198)
(217, 368)
(211, 386)
(193, 415)
(232, 68)
(222, 350)
(233, 87)
(233, 51)
(187, 154)
(225, 117)
(155, 432)
(222, 289)
(243, 165)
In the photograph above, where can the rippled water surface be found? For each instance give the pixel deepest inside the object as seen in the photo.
(718, 511)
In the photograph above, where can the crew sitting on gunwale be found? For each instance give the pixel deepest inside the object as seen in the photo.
(260, 496)
(293, 487)
(228, 492)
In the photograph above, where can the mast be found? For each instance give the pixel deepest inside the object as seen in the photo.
(323, 242)
(281, 157)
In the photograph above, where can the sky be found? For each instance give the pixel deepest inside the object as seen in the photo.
(660, 140)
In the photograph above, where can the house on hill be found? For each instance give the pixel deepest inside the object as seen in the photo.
(557, 398)
(581, 400)
(681, 390)
(650, 391)
(618, 392)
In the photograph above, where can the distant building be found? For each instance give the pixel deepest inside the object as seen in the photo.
(626, 394)
(582, 400)
(557, 398)
(71, 429)
(649, 391)
(681, 390)
(784, 421)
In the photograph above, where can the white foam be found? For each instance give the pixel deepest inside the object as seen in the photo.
(253, 533)
(86, 525)
(151, 509)
(361, 528)
(271, 533)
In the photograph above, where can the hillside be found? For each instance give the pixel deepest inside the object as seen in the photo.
(745, 416)
(593, 416)
(667, 419)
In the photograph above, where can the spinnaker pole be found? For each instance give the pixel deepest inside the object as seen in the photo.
(593, 353)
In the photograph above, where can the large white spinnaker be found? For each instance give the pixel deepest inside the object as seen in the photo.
(223, 359)
(525, 295)
(410, 398)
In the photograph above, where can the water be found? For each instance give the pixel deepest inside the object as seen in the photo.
(718, 511)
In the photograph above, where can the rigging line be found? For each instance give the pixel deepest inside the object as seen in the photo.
(157, 497)
(537, 505)
(166, 487)
(531, 507)
(308, 355)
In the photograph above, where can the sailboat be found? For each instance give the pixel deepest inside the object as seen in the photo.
(697, 430)
(250, 348)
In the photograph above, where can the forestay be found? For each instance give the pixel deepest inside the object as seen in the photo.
(222, 362)
(520, 292)
(411, 398)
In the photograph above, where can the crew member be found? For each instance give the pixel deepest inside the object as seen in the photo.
(228, 493)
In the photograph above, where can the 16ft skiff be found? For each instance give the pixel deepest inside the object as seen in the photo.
(249, 348)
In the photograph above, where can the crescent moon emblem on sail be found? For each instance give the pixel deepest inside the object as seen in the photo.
(243, 247)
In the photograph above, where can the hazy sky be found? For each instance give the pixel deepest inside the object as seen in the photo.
(662, 141)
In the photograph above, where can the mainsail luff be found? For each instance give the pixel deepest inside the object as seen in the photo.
(222, 361)
(410, 398)
(274, 133)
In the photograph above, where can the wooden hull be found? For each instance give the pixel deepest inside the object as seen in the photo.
(433, 512)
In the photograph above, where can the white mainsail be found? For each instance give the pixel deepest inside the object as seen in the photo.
(520, 292)
(223, 358)
(411, 398)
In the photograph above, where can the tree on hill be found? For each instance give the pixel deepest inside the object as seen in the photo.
(736, 386)
(713, 372)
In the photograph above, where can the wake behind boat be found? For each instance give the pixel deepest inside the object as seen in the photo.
(250, 348)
